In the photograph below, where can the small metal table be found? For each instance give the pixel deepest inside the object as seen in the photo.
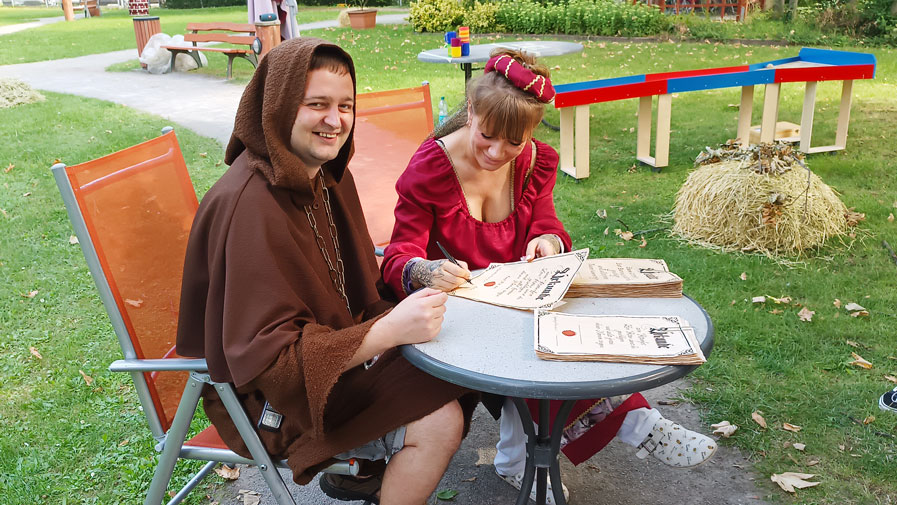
(490, 349)
(480, 52)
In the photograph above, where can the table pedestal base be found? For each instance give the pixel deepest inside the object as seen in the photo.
(542, 452)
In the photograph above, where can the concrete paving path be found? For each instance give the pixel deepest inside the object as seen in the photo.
(4, 30)
(204, 104)
(614, 476)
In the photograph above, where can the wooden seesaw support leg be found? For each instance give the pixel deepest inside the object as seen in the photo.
(770, 113)
(745, 111)
(806, 119)
(661, 156)
(575, 141)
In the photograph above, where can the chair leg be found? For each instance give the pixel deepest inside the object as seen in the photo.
(197, 478)
(174, 440)
(254, 444)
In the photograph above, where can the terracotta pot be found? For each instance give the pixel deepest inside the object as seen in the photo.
(363, 19)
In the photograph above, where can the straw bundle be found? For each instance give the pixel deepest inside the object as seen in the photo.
(14, 92)
(762, 199)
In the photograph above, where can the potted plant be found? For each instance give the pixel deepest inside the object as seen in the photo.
(362, 18)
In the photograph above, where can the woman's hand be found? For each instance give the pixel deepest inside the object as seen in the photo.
(438, 274)
(543, 245)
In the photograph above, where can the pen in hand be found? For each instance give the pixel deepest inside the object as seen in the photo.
(450, 258)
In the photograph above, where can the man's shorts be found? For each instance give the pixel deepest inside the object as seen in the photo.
(382, 448)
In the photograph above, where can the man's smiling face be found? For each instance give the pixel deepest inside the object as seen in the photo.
(324, 119)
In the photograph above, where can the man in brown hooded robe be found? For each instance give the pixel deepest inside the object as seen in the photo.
(282, 294)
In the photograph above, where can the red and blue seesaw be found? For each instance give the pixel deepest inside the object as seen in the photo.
(809, 66)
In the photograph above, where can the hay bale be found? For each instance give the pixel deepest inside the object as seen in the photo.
(14, 92)
(343, 18)
(741, 201)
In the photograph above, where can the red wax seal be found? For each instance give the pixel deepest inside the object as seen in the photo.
(569, 333)
(489, 284)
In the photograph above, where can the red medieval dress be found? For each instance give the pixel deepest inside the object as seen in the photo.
(432, 207)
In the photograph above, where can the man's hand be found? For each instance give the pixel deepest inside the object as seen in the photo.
(543, 245)
(415, 319)
(439, 274)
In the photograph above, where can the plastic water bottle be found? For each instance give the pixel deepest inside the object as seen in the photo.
(443, 110)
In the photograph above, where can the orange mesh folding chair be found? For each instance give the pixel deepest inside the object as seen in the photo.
(132, 212)
(389, 127)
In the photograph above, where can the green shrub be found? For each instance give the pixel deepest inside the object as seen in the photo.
(589, 17)
(435, 15)
(201, 4)
(481, 18)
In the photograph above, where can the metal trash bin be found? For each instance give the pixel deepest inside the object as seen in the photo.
(144, 28)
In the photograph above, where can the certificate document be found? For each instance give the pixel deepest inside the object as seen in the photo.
(625, 277)
(659, 340)
(540, 283)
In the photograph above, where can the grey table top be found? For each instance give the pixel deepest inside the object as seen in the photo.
(480, 52)
(490, 349)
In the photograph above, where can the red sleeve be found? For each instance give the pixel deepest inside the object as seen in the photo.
(545, 220)
(414, 216)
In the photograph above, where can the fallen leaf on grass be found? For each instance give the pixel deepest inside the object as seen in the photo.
(8, 168)
(4, 213)
(776, 311)
(124, 442)
(812, 461)
(88, 379)
(626, 235)
(73, 239)
(805, 314)
(850, 307)
(788, 481)
(854, 218)
(891, 378)
(602, 213)
(785, 299)
(227, 473)
(30, 294)
(757, 416)
(837, 303)
(891, 217)
(35, 353)
(799, 446)
(860, 313)
(791, 427)
(27, 194)
(203, 155)
(869, 420)
(606, 231)
(758, 299)
(724, 429)
(859, 361)
(743, 276)
(644, 243)
(851, 343)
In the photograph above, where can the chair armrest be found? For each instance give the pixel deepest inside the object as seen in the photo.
(159, 365)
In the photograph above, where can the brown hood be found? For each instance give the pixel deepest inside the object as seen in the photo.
(266, 115)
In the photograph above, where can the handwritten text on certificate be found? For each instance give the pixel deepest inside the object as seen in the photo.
(540, 283)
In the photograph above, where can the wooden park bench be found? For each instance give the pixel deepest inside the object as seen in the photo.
(230, 33)
(91, 8)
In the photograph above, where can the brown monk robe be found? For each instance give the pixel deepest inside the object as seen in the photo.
(258, 301)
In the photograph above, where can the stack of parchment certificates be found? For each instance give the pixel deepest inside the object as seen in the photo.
(625, 277)
(658, 340)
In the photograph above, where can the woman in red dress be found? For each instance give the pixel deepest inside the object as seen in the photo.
(482, 187)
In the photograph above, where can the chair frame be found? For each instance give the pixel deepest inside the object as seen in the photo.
(171, 443)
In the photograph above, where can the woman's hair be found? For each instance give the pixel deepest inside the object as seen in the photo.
(504, 110)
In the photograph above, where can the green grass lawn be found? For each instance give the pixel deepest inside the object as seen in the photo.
(66, 440)
(114, 30)
(16, 15)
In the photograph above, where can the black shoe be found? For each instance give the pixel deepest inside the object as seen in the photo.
(888, 401)
(347, 488)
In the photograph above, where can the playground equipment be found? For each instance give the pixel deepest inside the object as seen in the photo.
(810, 66)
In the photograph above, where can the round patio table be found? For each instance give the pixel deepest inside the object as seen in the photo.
(489, 348)
(480, 52)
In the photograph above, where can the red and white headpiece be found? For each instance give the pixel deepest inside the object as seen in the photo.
(537, 85)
